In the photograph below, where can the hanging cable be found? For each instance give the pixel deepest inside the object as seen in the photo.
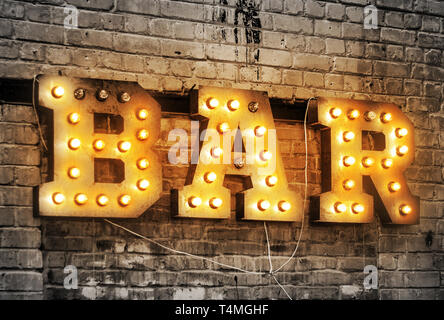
(36, 114)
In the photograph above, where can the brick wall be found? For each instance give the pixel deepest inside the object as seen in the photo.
(293, 50)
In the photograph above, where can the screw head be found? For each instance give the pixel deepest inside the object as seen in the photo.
(370, 115)
(124, 97)
(253, 106)
(102, 95)
(239, 163)
(79, 93)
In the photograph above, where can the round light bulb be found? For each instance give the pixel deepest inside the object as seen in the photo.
(386, 117)
(284, 206)
(124, 146)
(194, 202)
(340, 207)
(142, 134)
(58, 198)
(348, 161)
(401, 132)
(353, 114)
(271, 180)
(74, 173)
(370, 115)
(263, 205)
(98, 145)
(386, 163)
(143, 163)
(216, 152)
(223, 127)
(73, 118)
(142, 114)
(348, 184)
(265, 155)
(212, 103)
(102, 200)
(210, 177)
(357, 208)
(348, 136)
(368, 162)
(405, 209)
(57, 92)
(215, 203)
(74, 143)
(143, 184)
(335, 112)
(124, 200)
(402, 150)
(394, 186)
(233, 105)
(80, 198)
(259, 131)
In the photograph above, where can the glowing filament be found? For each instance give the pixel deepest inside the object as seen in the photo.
(348, 161)
(216, 152)
(210, 177)
(386, 163)
(142, 114)
(284, 206)
(74, 143)
(368, 162)
(102, 200)
(265, 155)
(348, 136)
(402, 150)
(215, 203)
(394, 186)
(405, 209)
(73, 118)
(271, 180)
(143, 163)
(259, 131)
(263, 205)
(142, 134)
(58, 92)
(124, 146)
(194, 202)
(335, 112)
(124, 200)
(143, 184)
(212, 103)
(98, 145)
(80, 199)
(353, 114)
(401, 132)
(58, 198)
(386, 117)
(348, 184)
(340, 207)
(74, 173)
(357, 208)
(233, 105)
(223, 127)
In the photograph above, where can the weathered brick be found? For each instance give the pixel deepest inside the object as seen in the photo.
(19, 238)
(293, 24)
(21, 281)
(351, 65)
(335, 11)
(403, 37)
(391, 69)
(38, 32)
(327, 28)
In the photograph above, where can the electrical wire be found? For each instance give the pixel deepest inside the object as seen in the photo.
(268, 247)
(36, 114)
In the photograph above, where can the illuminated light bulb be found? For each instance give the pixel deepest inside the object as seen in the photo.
(143, 184)
(80, 198)
(233, 105)
(353, 114)
(124, 200)
(58, 198)
(386, 163)
(194, 201)
(394, 186)
(215, 203)
(368, 162)
(142, 114)
(386, 117)
(348, 136)
(74, 143)
(223, 127)
(73, 118)
(124, 146)
(340, 207)
(401, 132)
(259, 131)
(402, 150)
(348, 184)
(98, 145)
(405, 209)
(348, 161)
(143, 163)
(216, 152)
(263, 205)
(265, 155)
(284, 206)
(74, 173)
(335, 112)
(142, 134)
(357, 208)
(102, 200)
(58, 92)
(210, 177)
(271, 180)
(212, 103)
